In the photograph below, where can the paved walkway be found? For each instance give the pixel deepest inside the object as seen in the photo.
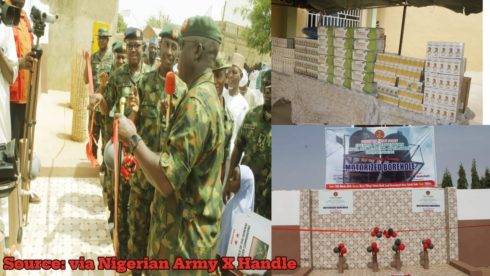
(59, 154)
(70, 221)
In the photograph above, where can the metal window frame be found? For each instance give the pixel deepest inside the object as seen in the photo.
(350, 18)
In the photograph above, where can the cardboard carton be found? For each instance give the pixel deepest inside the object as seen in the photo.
(377, 45)
(369, 33)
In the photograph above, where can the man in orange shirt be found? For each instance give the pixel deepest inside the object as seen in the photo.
(19, 90)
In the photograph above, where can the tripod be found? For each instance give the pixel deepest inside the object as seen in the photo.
(27, 141)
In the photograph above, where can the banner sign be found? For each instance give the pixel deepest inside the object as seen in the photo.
(335, 202)
(428, 200)
(380, 157)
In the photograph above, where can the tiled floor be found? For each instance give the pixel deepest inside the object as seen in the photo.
(69, 222)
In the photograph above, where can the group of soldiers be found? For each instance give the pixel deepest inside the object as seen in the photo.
(171, 206)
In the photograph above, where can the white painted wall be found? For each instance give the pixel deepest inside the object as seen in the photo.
(285, 207)
(472, 205)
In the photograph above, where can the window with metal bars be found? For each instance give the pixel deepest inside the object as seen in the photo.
(350, 18)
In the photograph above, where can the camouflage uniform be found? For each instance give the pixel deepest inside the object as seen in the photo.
(100, 63)
(117, 86)
(151, 123)
(254, 140)
(187, 222)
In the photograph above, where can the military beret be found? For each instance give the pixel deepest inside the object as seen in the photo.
(103, 32)
(202, 26)
(220, 63)
(118, 47)
(133, 33)
(171, 32)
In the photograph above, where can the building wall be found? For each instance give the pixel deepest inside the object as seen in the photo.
(301, 22)
(279, 21)
(233, 41)
(370, 210)
(473, 225)
(433, 24)
(72, 33)
(288, 22)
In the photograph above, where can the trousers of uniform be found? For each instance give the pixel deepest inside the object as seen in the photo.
(122, 218)
(140, 198)
(107, 181)
(18, 118)
(97, 127)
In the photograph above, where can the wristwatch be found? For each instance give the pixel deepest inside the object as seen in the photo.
(133, 142)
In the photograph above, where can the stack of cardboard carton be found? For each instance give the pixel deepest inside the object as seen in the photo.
(398, 81)
(346, 56)
(306, 57)
(343, 47)
(283, 55)
(368, 42)
(325, 53)
(445, 69)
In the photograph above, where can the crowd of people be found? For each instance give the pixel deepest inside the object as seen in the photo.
(203, 153)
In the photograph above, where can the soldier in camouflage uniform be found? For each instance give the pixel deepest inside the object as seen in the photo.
(119, 52)
(152, 52)
(186, 209)
(101, 62)
(151, 124)
(122, 83)
(254, 142)
(219, 72)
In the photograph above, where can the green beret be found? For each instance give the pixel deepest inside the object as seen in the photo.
(133, 33)
(220, 63)
(202, 26)
(118, 47)
(103, 32)
(171, 32)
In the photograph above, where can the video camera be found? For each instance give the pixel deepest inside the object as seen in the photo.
(40, 19)
(9, 15)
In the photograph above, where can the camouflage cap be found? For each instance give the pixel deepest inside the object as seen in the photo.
(133, 33)
(221, 63)
(170, 31)
(118, 47)
(103, 32)
(202, 26)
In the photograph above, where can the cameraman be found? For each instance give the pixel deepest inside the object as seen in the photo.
(8, 73)
(19, 90)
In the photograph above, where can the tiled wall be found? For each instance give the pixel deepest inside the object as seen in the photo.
(382, 208)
